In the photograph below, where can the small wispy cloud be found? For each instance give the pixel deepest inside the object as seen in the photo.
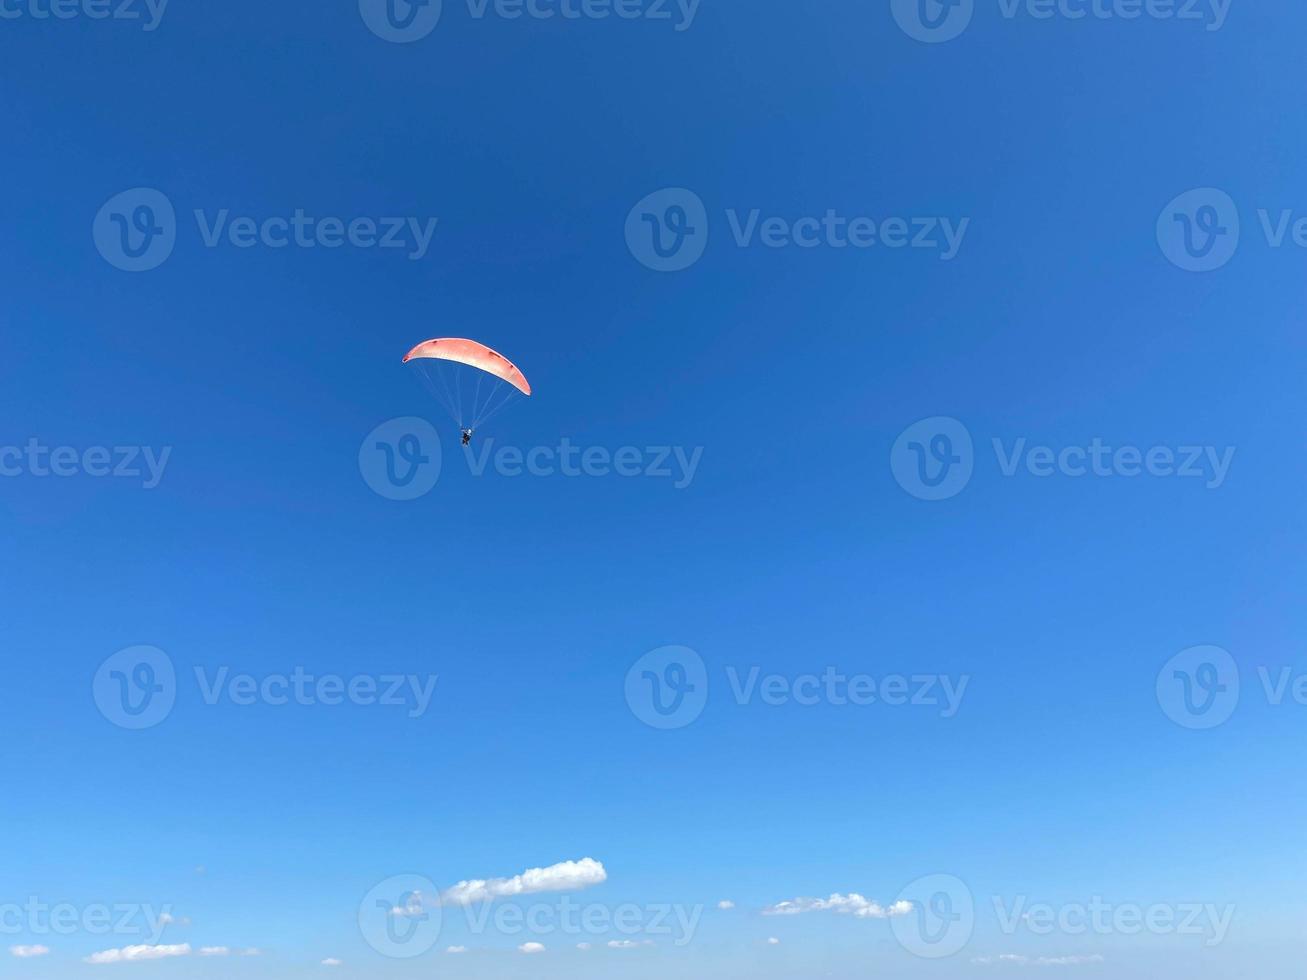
(726, 905)
(412, 907)
(773, 941)
(455, 949)
(214, 951)
(331, 961)
(27, 952)
(1018, 959)
(531, 948)
(132, 954)
(851, 904)
(628, 943)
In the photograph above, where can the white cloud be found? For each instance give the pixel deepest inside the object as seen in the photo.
(628, 943)
(582, 946)
(456, 949)
(851, 904)
(773, 941)
(564, 877)
(726, 905)
(530, 948)
(214, 951)
(168, 919)
(130, 954)
(411, 908)
(27, 952)
(331, 961)
(1020, 960)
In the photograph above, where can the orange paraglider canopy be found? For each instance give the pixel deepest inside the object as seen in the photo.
(475, 355)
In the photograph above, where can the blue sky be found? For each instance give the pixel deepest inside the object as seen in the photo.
(803, 542)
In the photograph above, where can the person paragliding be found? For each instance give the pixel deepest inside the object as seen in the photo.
(469, 379)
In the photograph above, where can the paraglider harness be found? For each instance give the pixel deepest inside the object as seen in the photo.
(467, 437)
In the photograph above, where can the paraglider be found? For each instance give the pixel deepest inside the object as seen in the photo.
(448, 365)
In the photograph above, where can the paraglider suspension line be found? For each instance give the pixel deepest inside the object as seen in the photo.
(484, 406)
(487, 413)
